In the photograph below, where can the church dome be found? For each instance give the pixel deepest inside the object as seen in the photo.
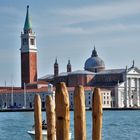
(94, 63)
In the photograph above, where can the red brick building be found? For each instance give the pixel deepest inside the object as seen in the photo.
(85, 77)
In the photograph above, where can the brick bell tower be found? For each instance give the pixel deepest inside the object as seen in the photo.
(69, 66)
(28, 53)
(56, 68)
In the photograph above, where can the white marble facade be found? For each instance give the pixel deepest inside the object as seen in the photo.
(127, 93)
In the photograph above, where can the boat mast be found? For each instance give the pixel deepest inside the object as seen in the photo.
(12, 101)
(24, 95)
(6, 96)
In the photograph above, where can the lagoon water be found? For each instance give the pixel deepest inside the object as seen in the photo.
(117, 125)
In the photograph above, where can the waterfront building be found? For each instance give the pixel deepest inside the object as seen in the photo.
(124, 83)
(23, 98)
(119, 87)
(106, 97)
(128, 92)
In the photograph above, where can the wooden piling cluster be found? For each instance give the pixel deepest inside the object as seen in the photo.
(58, 115)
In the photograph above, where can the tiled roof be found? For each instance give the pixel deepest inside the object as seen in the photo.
(104, 84)
(51, 76)
(37, 82)
(112, 71)
(109, 78)
(9, 91)
(63, 74)
(135, 68)
(48, 76)
(81, 72)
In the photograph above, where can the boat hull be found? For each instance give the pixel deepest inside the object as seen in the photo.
(44, 134)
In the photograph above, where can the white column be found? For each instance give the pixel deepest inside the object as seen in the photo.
(119, 97)
(137, 91)
(130, 94)
(126, 101)
(138, 96)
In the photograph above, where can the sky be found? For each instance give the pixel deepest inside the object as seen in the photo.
(70, 29)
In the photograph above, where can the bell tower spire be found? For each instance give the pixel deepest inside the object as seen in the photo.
(28, 24)
(28, 53)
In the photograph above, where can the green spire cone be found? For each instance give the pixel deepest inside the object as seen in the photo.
(28, 24)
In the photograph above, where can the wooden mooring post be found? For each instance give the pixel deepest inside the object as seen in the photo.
(58, 117)
(96, 115)
(50, 113)
(79, 114)
(38, 117)
(62, 112)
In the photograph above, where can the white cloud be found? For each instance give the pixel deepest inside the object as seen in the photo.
(70, 20)
(117, 27)
(106, 11)
(94, 30)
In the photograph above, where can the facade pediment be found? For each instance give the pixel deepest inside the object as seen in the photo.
(134, 71)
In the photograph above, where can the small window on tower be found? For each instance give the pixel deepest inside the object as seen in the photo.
(32, 42)
(24, 41)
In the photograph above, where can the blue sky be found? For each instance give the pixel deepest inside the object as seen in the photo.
(69, 29)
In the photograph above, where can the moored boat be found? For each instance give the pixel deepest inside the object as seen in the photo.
(44, 132)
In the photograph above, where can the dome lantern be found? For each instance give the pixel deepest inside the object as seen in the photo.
(94, 53)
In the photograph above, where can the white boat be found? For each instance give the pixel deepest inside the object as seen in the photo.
(44, 132)
(32, 134)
